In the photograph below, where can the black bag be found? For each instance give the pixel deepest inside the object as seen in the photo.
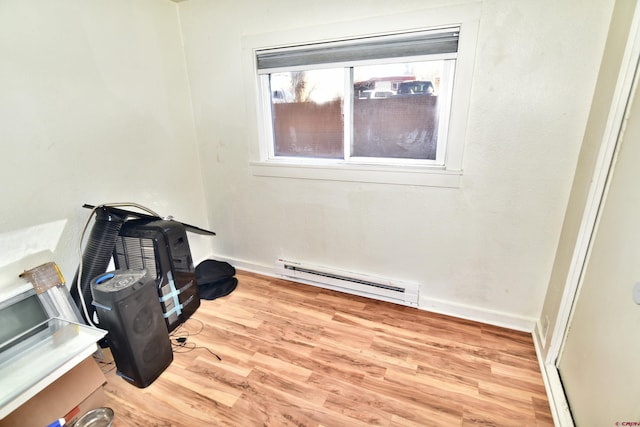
(215, 279)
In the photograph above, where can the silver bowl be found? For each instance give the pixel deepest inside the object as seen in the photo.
(99, 417)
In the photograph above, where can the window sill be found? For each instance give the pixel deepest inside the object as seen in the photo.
(378, 174)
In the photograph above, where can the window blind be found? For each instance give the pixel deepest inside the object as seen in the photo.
(405, 45)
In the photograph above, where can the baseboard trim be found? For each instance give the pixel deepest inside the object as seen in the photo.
(477, 314)
(553, 386)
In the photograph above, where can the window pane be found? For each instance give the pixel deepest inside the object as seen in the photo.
(396, 110)
(307, 113)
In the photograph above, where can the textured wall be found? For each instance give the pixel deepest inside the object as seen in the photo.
(94, 109)
(485, 249)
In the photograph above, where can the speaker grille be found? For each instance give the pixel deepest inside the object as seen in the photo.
(137, 253)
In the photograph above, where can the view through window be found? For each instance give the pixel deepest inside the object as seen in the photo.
(389, 107)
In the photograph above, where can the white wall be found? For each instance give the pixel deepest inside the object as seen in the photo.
(94, 108)
(484, 250)
(596, 132)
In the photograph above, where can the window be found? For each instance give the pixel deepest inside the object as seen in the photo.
(373, 100)
(389, 108)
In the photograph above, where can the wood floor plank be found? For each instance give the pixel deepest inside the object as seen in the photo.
(297, 355)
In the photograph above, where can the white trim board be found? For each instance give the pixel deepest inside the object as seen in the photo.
(553, 385)
(477, 314)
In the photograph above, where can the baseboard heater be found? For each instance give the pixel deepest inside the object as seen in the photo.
(353, 283)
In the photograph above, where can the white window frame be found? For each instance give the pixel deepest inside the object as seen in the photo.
(443, 123)
(389, 171)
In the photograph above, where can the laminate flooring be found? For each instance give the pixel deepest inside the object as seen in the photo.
(298, 355)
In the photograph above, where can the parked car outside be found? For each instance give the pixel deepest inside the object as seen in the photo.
(416, 87)
(376, 94)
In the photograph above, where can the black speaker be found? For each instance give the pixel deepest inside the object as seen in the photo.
(127, 305)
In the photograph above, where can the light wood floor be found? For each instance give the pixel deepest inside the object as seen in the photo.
(297, 355)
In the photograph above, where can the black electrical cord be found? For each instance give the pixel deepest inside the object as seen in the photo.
(187, 347)
(179, 338)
